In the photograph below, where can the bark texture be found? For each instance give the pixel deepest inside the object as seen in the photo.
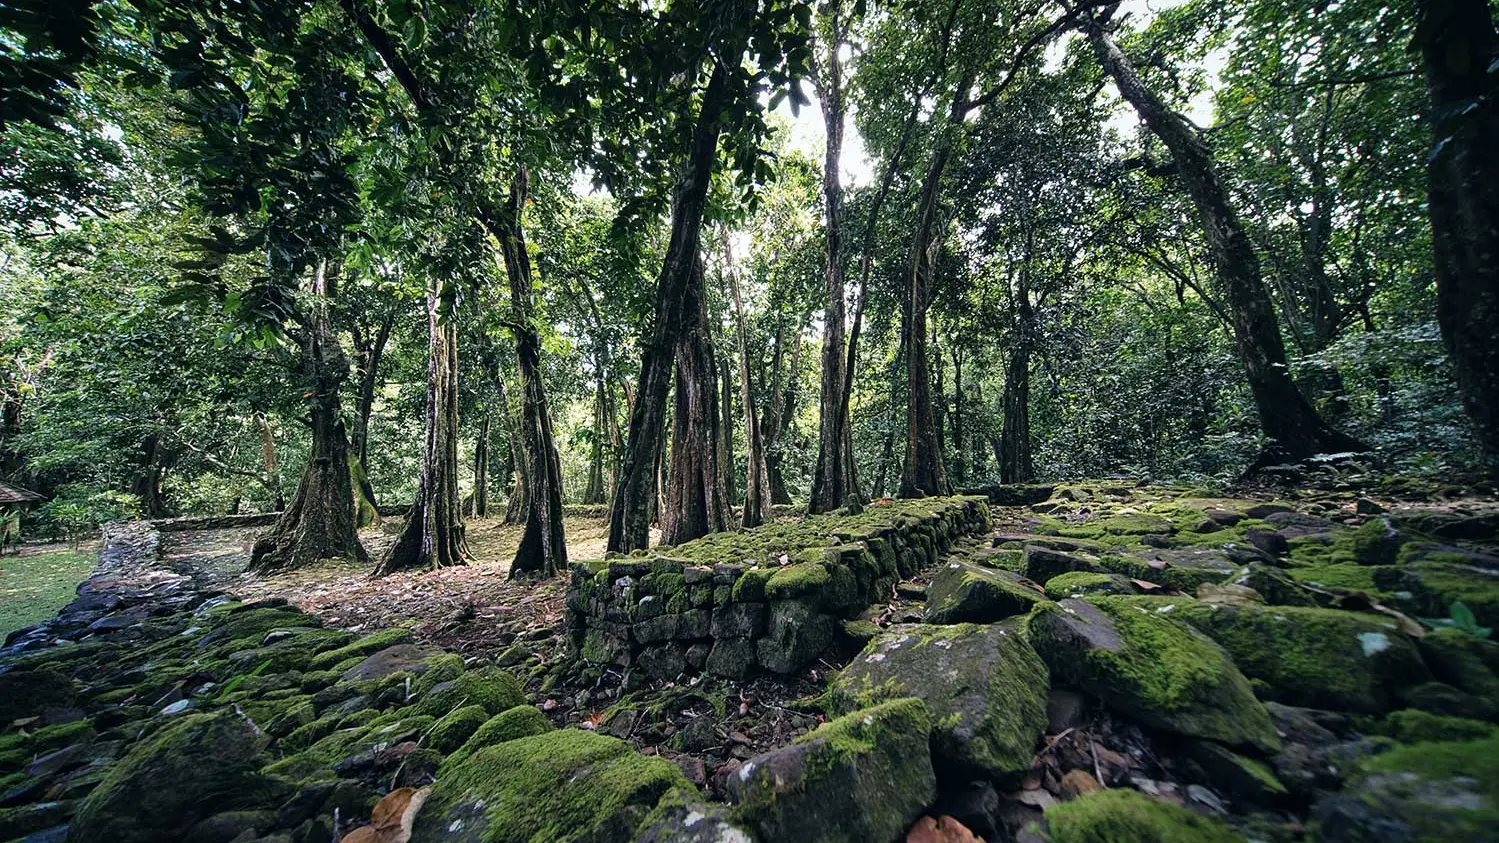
(543, 547)
(434, 535)
(923, 474)
(1460, 48)
(676, 302)
(756, 474)
(1293, 428)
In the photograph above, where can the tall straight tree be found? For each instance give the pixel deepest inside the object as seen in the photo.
(434, 535)
(1460, 50)
(1288, 420)
(543, 546)
(834, 477)
(756, 474)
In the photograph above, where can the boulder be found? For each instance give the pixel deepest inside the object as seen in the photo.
(1412, 794)
(1128, 815)
(1316, 658)
(1161, 672)
(683, 817)
(1080, 583)
(400, 658)
(968, 594)
(491, 687)
(202, 765)
(1041, 564)
(562, 785)
(862, 777)
(795, 634)
(984, 687)
(522, 721)
(28, 693)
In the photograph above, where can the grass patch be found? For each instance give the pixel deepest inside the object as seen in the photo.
(34, 587)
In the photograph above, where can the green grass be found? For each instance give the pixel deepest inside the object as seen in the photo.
(33, 587)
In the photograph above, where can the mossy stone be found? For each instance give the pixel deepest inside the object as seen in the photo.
(1424, 793)
(1161, 672)
(1316, 658)
(366, 646)
(984, 687)
(968, 594)
(1429, 586)
(1079, 583)
(25, 693)
(522, 721)
(562, 785)
(454, 728)
(201, 765)
(1128, 816)
(862, 777)
(1462, 660)
(491, 688)
(1415, 726)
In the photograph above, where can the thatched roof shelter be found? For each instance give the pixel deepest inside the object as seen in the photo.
(12, 494)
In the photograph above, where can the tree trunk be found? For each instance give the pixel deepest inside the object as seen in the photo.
(678, 294)
(481, 470)
(832, 480)
(1460, 49)
(271, 461)
(320, 520)
(696, 503)
(756, 475)
(959, 444)
(775, 420)
(543, 547)
(725, 439)
(147, 483)
(1293, 428)
(923, 474)
(370, 355)
(434, 535)
(1014, 450)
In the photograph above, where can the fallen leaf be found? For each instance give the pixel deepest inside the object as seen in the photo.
(1158, 564)
(1036, 798)
(1146, 584)
(943, 829)
(392, 818)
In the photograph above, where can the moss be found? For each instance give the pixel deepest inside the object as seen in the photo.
(1128, 816)
(1434, 585)
(796, 580)
(522, 721)
(1345, 575)
(1160, 671)
(491, 688)
(750, 587)
(454, 728)
(964, 593)
(1439, 791)
(1185, 578)
(366, 646)
(563, 785)
(444, 667)
(1320, 658)
(1075, 583)
(1413, 726)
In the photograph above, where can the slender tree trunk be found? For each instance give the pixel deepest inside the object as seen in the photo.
(481, 470)
(434, 535)
(271, 461)
(959, 443)
(11, 457)
(543, 547)
(678, 295)
(775, 420)
(757, 499)
(832, 480)
(319, 522)
(1460, 48)
(724, 441)
(147, 484)
(923, 474)
(696, 503)
(1014, 448)
(370, 355)
(1288, 420)
(593, 493)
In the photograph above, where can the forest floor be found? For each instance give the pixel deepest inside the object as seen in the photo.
(40, 580)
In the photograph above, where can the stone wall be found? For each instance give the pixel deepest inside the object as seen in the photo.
(770, 598)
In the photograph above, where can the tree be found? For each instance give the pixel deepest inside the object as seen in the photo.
(1293, 428)
(1460, 48)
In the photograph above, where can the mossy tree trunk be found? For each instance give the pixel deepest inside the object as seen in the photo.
(1290, 423)
(434, 535)
(543, 546)
(319, 522)
(370, 349)
(696, 502)
(678, 297)
(481, 469)
(757, 476)
(833, 478)
(724, 441)
(1460, 49)
(1014, 451)
(923, 474)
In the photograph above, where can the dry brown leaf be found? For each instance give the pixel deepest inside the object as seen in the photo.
(392, 818)
(1158, 564)
(1146, 584)
(944, 829)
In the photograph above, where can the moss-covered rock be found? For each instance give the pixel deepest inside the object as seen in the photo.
(1463, 661)
(193, 769)
(452, 730)
(1316, 658)
(984, 687)
(1128, 816)
(523, 721)
(681, 816)
(968, 594)
(796, 632)
(865, 776)
(1161, 672)
(1428, 585)
(1415, 726)
(366, 646)
(27, 693)
(1421, 793)
(1081, 583)
(491, 688)
(562, 785)
(1042, 563)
